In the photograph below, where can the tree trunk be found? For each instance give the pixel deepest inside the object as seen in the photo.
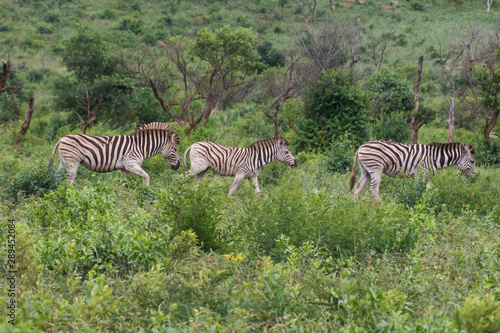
(416, 90)
(489, 3)
(27, 121)
(29, 114)
(451, 117)
(332, 5)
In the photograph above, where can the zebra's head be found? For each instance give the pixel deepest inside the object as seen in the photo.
(169, 150)
(466, 162)
(283, 154)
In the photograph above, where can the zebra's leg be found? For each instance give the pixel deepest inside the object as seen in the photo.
(365, 177)
(72, 170)
(137, 170)
(376, 176)
(255, 184)
(237, 180)
(200, 175)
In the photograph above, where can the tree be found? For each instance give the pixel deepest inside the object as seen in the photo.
(416, 123)
(481, 71)
(338, 106)
(375, 47)
(6, 71)
(284, 85)
(94, 79)
(90, 110)
(86, 55)
(210, 71)
(390, 92)
(331, 46)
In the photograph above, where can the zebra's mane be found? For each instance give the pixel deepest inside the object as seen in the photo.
(470, 147)
(168, 133)
(275, 140)
(156, 125)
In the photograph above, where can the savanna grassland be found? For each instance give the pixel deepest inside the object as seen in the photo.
(109, 254)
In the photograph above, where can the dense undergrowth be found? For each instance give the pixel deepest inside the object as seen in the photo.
(299, 256)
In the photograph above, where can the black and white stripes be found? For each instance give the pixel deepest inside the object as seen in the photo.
(241, 163)
(110, 153)
(393, 159)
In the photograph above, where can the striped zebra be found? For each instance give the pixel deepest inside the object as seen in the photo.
(110, 153)
(242, 163)
(393, 159)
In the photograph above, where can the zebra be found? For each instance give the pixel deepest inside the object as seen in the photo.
(110, 153)
(242, 163)
(158, 125)
(391, 158)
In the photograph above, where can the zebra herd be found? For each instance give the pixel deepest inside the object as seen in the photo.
(127, 153)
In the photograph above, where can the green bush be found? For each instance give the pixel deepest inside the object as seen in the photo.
(186, 208)
(488, 156)
(37, 181)
(340, 156)
(391, 126)
(481, 314)
(417, 5)
(132, 24)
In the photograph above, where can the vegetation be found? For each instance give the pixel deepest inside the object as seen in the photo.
(111, 254)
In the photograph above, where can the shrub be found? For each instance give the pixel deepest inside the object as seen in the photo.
(37, 181)
(132, 24)
(488, 156)
(391, 126)
(417, 5)
(45, 28)
(186, 208)
(35, 75)
(481, 314)
(340, 156)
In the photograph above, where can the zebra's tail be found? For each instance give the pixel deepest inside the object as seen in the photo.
(53, 152)
(353, 172)
(185, 157)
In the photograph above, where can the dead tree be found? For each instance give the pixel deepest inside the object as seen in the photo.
(489, 3)
(281, 90)
(310, 6)
(27, 120)
(85, 103)
(376, 46)
(453, 59)
(6, 71)
(414, 126)
(480, 70)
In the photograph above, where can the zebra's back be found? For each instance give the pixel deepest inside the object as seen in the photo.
(97, 153)
(223, 160)
(392, 157)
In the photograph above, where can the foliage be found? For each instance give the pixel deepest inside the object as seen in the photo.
(340, 154)
(391, 126)
(488, 155)
(337, 106)
(197, 210)
(87, 56)
(390, 92)
(481, 314)
(37, 181)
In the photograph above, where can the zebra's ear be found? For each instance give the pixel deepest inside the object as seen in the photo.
(175, 138)
(472, 149)
(284, 142)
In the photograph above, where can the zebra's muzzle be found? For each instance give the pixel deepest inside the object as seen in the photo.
(294, 164)
(176, 165)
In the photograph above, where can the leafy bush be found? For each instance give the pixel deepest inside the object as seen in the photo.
(391, 126)
(417, 5)
(37, 181)
(390, 91)
(488, 156)
(481, 314)
(340, 156)
(186, 208)
(35, 75)
(132, 24)
(45, 28)
(337, 106)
